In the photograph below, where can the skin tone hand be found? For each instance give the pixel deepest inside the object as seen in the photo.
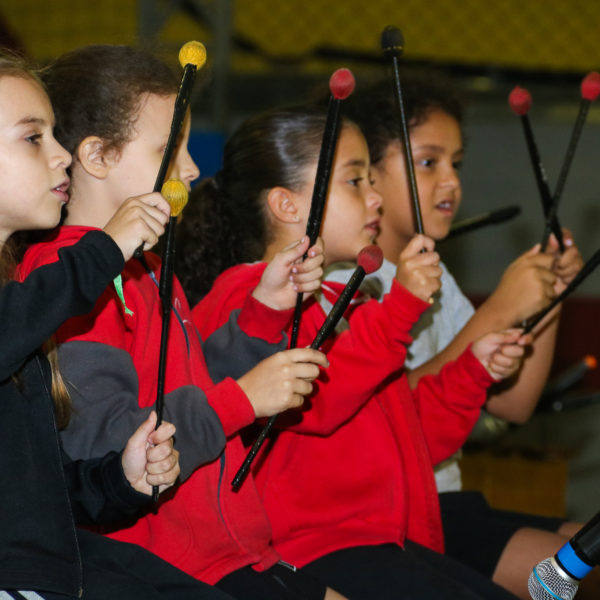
(149, 457)
(567, 264)
(502, 353)
(138, 220)
(419, 272)
(281, 381)
(526, 287)
(286, 275)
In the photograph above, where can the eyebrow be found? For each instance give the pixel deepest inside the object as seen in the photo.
(357, 162)
(30, 120)
(436, 148)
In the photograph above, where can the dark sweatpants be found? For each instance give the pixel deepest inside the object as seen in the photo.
(389, 572)
(118, 571)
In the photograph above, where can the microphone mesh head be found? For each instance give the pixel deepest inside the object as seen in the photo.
(551, 582)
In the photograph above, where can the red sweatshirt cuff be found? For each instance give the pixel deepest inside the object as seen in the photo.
(231, 405)
(403, 306)
(258, 320)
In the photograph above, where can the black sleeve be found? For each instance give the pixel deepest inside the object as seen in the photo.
(34, 309)
(229, 352)
(103, 386)
(99, 490)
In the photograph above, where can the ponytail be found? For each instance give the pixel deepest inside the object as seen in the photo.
(213, 236)
(226, 221)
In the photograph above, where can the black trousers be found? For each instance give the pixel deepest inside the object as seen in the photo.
(476, 534)
(388, 572)
(280, 582)
(117, 571)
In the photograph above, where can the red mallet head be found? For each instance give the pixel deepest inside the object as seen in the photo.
(370, 258)
(590, 361)
(341, 84)
(590, 86)
(520, 101)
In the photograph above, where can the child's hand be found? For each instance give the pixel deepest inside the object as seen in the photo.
(567, 264)
(287, 275)
(419, 272)
(139, 220)
(526, 287)
(502, 353)
(282, 380)
(149, 457)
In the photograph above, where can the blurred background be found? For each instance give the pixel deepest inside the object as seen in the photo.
(262, 53)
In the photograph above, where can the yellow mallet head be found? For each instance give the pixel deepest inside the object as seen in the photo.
(192, 53)
(175, 194)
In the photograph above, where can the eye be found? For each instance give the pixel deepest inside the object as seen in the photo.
(427, 162)
(355, 181)
(457, 165)
(34, 139)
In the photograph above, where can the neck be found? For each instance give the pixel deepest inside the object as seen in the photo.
(88, 205)
(276, 245)
(391, 244)
(281, 238)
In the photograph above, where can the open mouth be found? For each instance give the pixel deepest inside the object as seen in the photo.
(446, 207)
(373, 227)
(62, 191)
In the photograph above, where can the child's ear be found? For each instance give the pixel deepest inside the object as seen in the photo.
(93, 156)
(283, 205)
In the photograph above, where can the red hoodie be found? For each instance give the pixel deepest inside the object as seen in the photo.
(354, 466)
(110, 359)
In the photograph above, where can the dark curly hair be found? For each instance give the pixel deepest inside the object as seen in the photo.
(374, 108)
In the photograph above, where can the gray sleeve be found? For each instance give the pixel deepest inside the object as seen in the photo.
(229, 352)
(103, 385)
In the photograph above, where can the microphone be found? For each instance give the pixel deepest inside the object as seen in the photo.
(192, 57)
(590, 90)
(559, 575)
(369, 260)
(568, 379)
(519, 100)
(176, 195)
(489, 218)
(341, 85)
(392, 44)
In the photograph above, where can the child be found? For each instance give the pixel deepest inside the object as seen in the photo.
(499, 544)
(114, 107)
(44, 492)
(350, 476)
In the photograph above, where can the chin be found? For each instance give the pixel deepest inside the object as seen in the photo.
(440, 232)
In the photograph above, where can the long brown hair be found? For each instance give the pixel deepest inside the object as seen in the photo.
(13, 65)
